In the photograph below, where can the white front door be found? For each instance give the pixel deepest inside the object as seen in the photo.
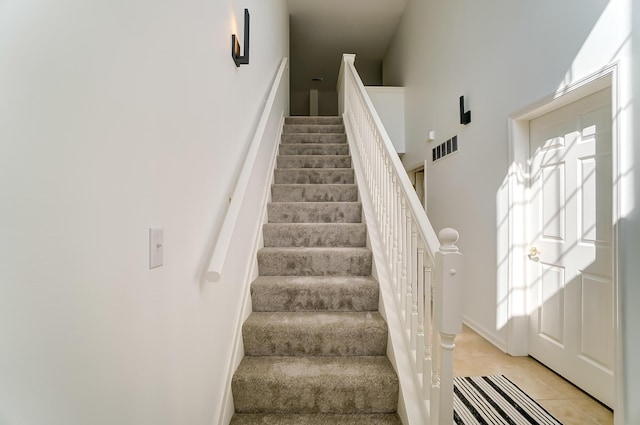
(571, 327)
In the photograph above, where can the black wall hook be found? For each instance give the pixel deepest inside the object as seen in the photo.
(235, 45)
(465, 117)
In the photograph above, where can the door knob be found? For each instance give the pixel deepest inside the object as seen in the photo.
(534, 252)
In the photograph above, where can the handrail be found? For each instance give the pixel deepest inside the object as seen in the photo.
(422, 267)
(216, 264)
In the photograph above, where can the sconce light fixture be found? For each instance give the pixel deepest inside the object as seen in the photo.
(465, 117)
(235, 45)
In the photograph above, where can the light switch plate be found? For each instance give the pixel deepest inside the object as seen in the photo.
(156, 247)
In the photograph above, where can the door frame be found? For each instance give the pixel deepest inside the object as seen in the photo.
(413, 178)
(518, 199)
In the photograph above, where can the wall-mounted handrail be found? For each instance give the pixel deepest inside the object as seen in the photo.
(216, 264)
(423, 268)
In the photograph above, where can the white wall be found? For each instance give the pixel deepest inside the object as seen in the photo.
(504, 56)
(327, 102)
(370, 71)
(389, 104)
(117, 116)
(629, 267)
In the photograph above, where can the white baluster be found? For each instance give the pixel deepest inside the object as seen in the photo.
(382, 206)
(414, 286)
(377, 189)
(397, 243)
(403, 252)
(427, 365)
(366, 153)
(421, 309)
(394, 234)
(379, 182)
(383, 188)
(392, 194)
(435, 378)
(410, 271)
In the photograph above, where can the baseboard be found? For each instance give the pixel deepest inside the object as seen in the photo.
(483, 332)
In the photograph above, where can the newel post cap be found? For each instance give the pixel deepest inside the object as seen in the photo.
(448, 238)
(349, 57)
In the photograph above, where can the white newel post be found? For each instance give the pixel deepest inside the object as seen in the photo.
(343, 81)
(448, 316)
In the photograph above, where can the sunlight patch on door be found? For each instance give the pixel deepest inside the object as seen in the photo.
(551, 295)
(553, 143)
(553, 196)
(587, 199)
(597, 336)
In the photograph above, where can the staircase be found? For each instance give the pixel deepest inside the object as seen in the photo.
(315, 344)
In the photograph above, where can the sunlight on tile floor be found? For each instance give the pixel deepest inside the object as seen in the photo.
(475, 356)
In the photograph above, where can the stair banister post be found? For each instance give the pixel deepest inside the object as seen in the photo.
(343, 82)
(448, 315)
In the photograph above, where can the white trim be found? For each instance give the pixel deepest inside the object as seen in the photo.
(517, 329)
(616, 215)
(582, 88)
(484, 333)
(226, 407)
(384, 89)
(216, 263)
(416, 165)
(414, 180)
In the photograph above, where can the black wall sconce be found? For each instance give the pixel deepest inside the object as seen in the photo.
(235, 45)
(465, 117)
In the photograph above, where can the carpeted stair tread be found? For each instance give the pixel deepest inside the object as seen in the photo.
(314, 161)
(283, 419)
(315, 334)
(314, 176)
(314, 193)
(314, 149)
(313, 128)
(314, 293)
(314, 212)
(314, 342)
(325, 384)
(314, 234)
(306, 120)
(314, 261)
(314, 138)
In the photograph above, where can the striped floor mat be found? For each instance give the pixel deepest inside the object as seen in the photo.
(495, 400)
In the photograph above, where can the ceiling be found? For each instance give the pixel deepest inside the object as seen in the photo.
(322, 30)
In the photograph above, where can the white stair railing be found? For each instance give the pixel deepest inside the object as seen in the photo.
(218, 258)
(425, 271)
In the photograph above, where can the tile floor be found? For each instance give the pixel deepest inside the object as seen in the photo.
(475, 356)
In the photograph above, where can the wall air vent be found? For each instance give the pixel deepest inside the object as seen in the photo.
(444, 149)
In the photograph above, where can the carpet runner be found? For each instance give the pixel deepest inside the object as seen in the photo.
(495, 400)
